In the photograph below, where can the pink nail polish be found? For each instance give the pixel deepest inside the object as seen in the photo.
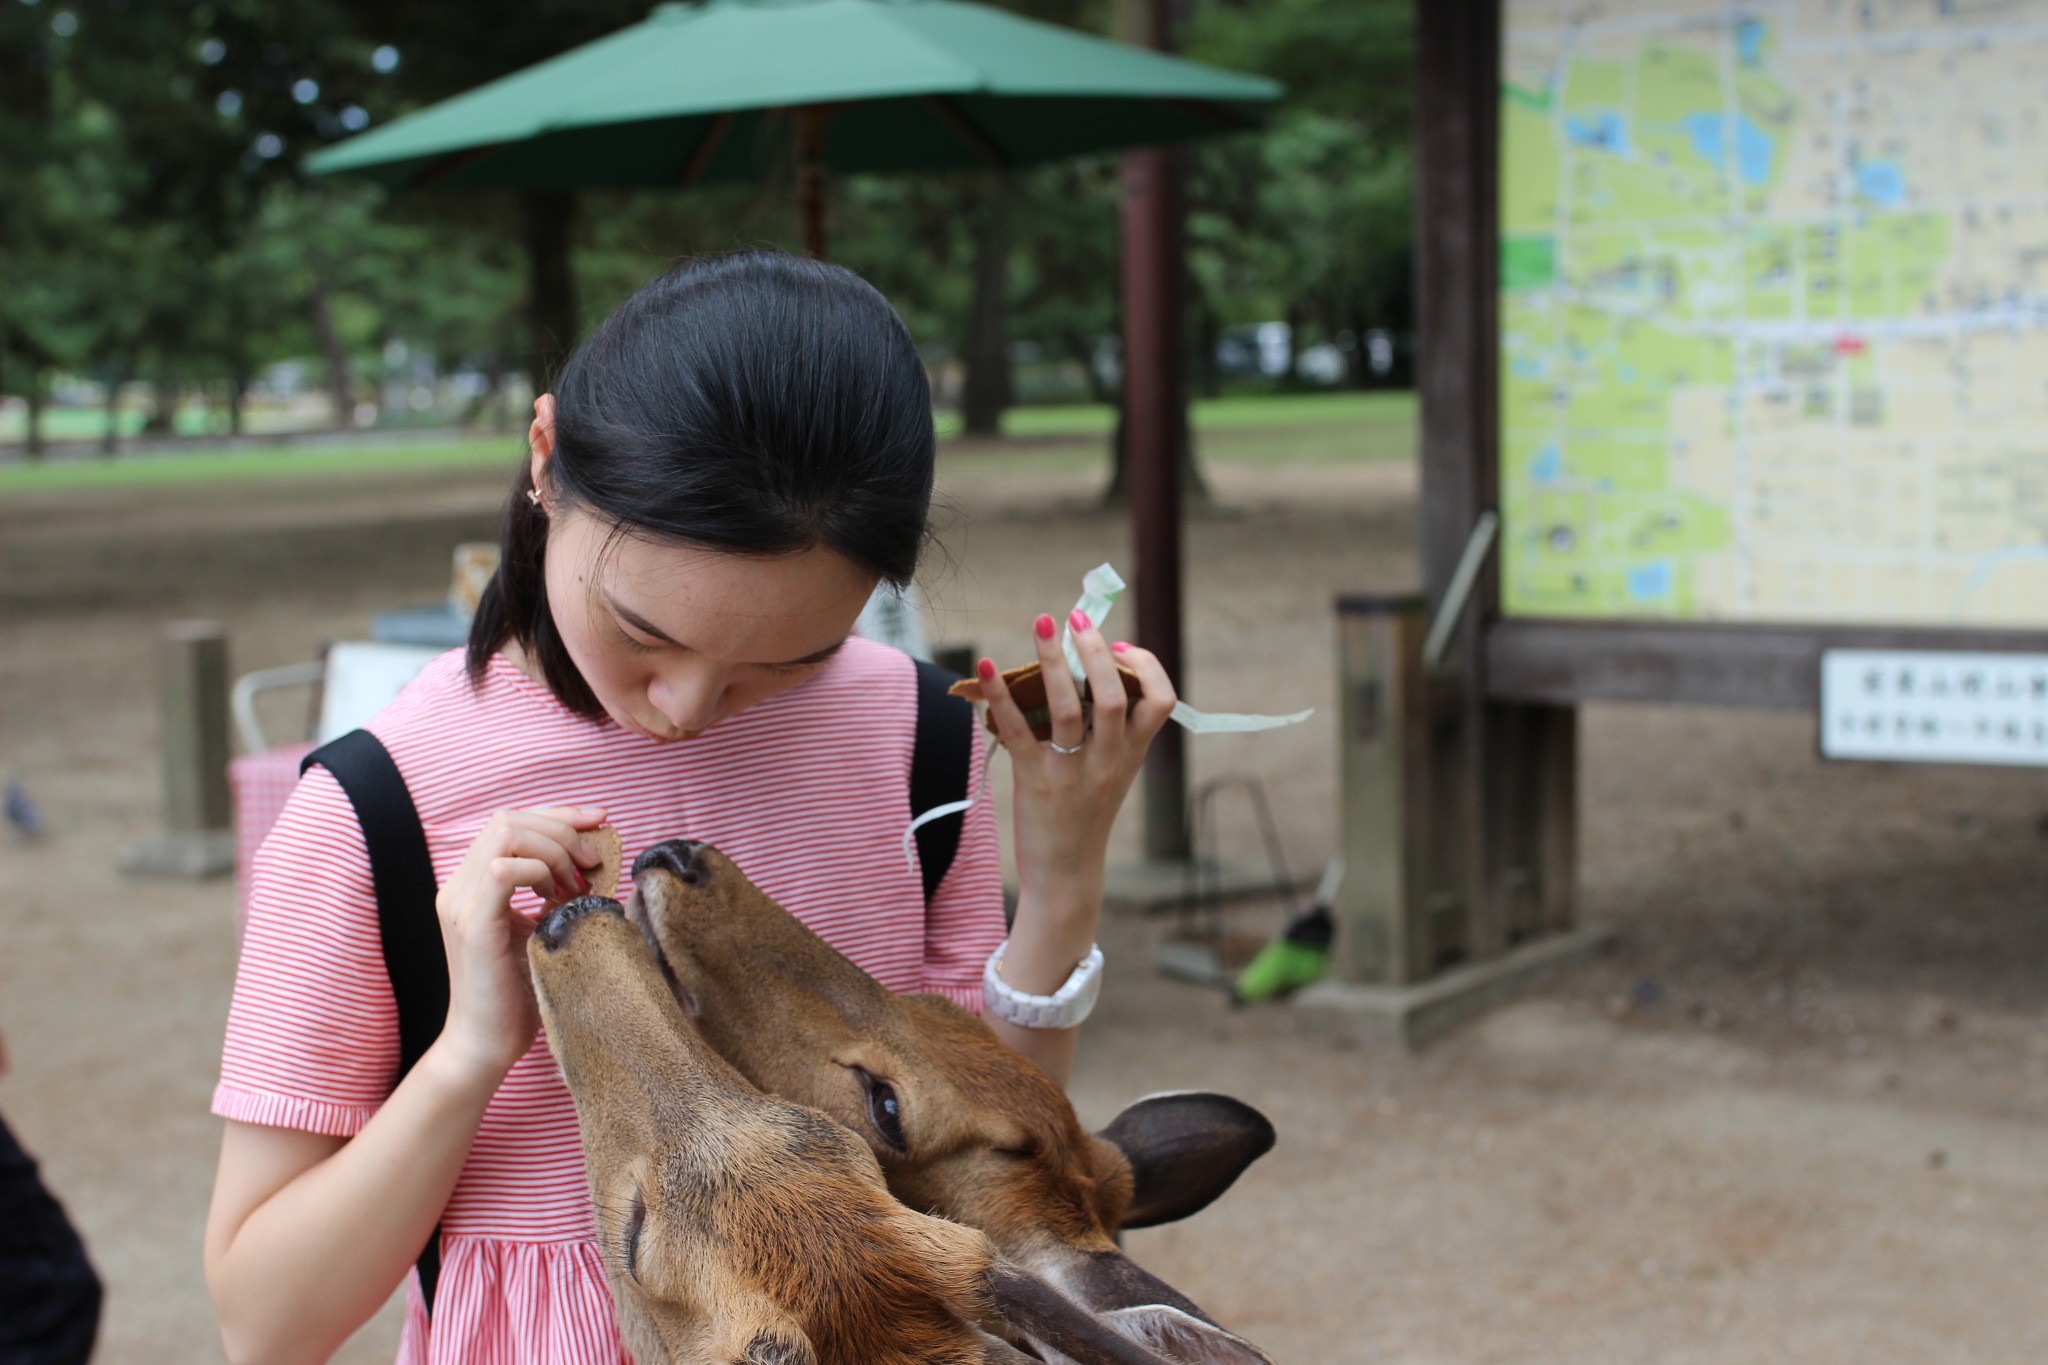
(1078, 619)
(1045, 627)
(1121, 645)
(986, 670)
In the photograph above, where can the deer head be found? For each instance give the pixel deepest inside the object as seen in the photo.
(960, 1124)
(742, 1229)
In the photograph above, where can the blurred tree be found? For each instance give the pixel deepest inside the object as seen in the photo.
(152, 146)
(437, 50)
(34, 214)
(1311, 223)
(1064, 285)
(986, 389)
(154, 223)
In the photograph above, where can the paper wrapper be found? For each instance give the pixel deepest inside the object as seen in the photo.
(1099, 590)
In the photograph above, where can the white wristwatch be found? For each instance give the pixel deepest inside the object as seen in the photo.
(1064, 1008)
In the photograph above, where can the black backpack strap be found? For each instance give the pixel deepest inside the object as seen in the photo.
(403, 872)
(941, 758)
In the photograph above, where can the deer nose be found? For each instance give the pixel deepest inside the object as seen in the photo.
(683, 857)
(554, 926)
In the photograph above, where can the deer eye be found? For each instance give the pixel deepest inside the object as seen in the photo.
(635, 1225)
(885, 1111)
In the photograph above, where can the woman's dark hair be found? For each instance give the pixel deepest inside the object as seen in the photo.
(757, 403)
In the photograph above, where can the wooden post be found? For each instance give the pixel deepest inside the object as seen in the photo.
(1555, 855)
(197, 839)
(1486, 849)
(1455, 392)
(195, 721)
(1155, 420)
(1385, 936)
(1508, 770)
(1403, 966)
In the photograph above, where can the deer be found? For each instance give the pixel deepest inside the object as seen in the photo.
(960, 1125)
(737, 1228)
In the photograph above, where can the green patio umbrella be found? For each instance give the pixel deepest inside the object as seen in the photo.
(734, 90)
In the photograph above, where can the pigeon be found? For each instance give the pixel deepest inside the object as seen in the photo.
(21, 811)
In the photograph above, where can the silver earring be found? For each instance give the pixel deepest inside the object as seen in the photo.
(533, 496)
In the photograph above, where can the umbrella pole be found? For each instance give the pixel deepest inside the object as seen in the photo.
(1155, 430)
(810, 176)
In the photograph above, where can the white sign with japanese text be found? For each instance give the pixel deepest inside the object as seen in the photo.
(1928, 706)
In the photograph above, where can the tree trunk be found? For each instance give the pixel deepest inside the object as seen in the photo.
(340, 385)
(987, 390)
(473, 411)
(1208, 331)
(110, 439)
(501, 400)
(163, 411)
(238, 396)
(491, 406)
(551, 290)
(35, 411)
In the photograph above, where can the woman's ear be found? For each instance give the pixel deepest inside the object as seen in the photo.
(540, 437)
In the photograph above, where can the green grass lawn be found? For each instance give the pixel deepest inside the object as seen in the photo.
(89, 424)
(1216, 414)
(256, 462)
(1278, 429)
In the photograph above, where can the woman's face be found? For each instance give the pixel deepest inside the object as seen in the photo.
(673, 640)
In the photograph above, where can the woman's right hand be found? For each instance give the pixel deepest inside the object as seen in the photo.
(492, 1015)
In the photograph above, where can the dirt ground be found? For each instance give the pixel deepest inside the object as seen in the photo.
(1795, 1114)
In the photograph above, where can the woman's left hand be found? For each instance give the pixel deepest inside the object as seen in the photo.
(1069, 791)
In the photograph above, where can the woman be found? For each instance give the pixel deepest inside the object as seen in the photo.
(726, 469)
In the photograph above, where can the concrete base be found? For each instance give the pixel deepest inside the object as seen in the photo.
(1161, 885)
(1404, 1018)
(190, 857)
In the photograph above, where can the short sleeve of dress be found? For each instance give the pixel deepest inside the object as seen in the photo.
(312, 1035)
(965, 922)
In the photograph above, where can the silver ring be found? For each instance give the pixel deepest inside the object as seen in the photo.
(1060, 748)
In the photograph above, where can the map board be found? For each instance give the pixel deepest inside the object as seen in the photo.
(1773, 317)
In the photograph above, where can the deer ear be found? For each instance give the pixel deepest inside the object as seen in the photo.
(1185, 1149)
(1177, 1336)
(1057, 1326)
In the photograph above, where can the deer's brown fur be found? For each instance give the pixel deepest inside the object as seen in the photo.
(989, 1136)
(737, 1227)
(986, 1139)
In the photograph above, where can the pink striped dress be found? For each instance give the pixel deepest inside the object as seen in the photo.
(809, 792)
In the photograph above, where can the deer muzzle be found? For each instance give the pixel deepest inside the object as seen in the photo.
(555, 926)
(681, 858)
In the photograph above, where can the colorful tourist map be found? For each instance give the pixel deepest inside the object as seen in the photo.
(1774, 311)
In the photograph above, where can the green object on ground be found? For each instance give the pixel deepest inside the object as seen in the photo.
(1280, 968)
(688, 95)
(1295, 959)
